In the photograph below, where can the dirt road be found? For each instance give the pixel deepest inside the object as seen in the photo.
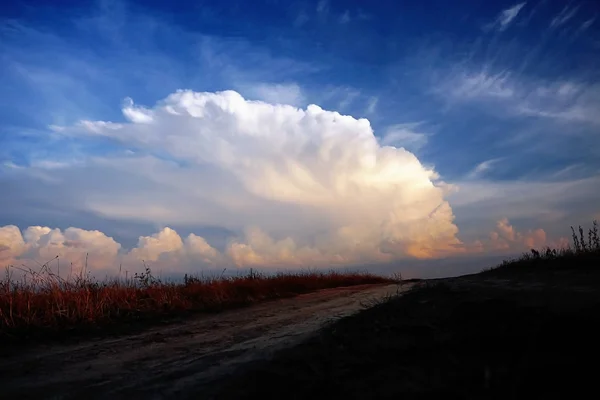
(177, 360)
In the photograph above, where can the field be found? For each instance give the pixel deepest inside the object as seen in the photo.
(42, 306)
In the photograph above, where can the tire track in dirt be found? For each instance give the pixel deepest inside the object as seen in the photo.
(170, 361)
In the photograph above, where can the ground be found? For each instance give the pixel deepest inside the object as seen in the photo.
(504, 335)
(510, 333)
(180, 358)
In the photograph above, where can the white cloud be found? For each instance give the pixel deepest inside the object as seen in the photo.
(345, 17)
(322, 8)
(556, 203)
(566, 100)
(198, 248)
(468, 86)
(79, 250)
(136, 114)
(363, 15)
(10, 165)
(568, 171)
(347, 99)
(404, 135)
(50, 164)
(11, 243)
(372, 105)
(508, 15)
(37, 245)
(506, 238)
(289, 93)
(297, 185)
(301, 19)
(482, 167)
(67, 83)
(152, 247)
(347, 96)
(506, 230)
(587, 24)
(565, 15)
(94, 126)
(504, 19)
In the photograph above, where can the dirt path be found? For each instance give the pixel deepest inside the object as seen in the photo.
(168, 362)
(515, 335)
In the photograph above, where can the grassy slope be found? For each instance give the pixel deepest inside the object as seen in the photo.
(528, 329)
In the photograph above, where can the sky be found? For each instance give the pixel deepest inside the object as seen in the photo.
(424, 137)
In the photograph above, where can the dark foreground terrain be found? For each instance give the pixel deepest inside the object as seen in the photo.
(506, 334)
(525, 330)
(179, 359)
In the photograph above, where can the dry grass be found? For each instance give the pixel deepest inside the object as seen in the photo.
(583, 254)
(41, 304)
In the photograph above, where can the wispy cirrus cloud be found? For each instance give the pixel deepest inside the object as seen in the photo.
(345, 17)
(544, 200)
(586, 24)
(404, 135)
(342, 97)
(372, 105)
(52, 65)
(564, 100)
(564, 16)
(322, 9)
(277, 93)
(505, 18)
(482, 84)
(483, 167)
(301, 19)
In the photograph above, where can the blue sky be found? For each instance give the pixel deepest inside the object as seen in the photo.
(500, 98)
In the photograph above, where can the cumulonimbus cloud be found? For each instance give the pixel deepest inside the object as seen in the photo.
(298, 186)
